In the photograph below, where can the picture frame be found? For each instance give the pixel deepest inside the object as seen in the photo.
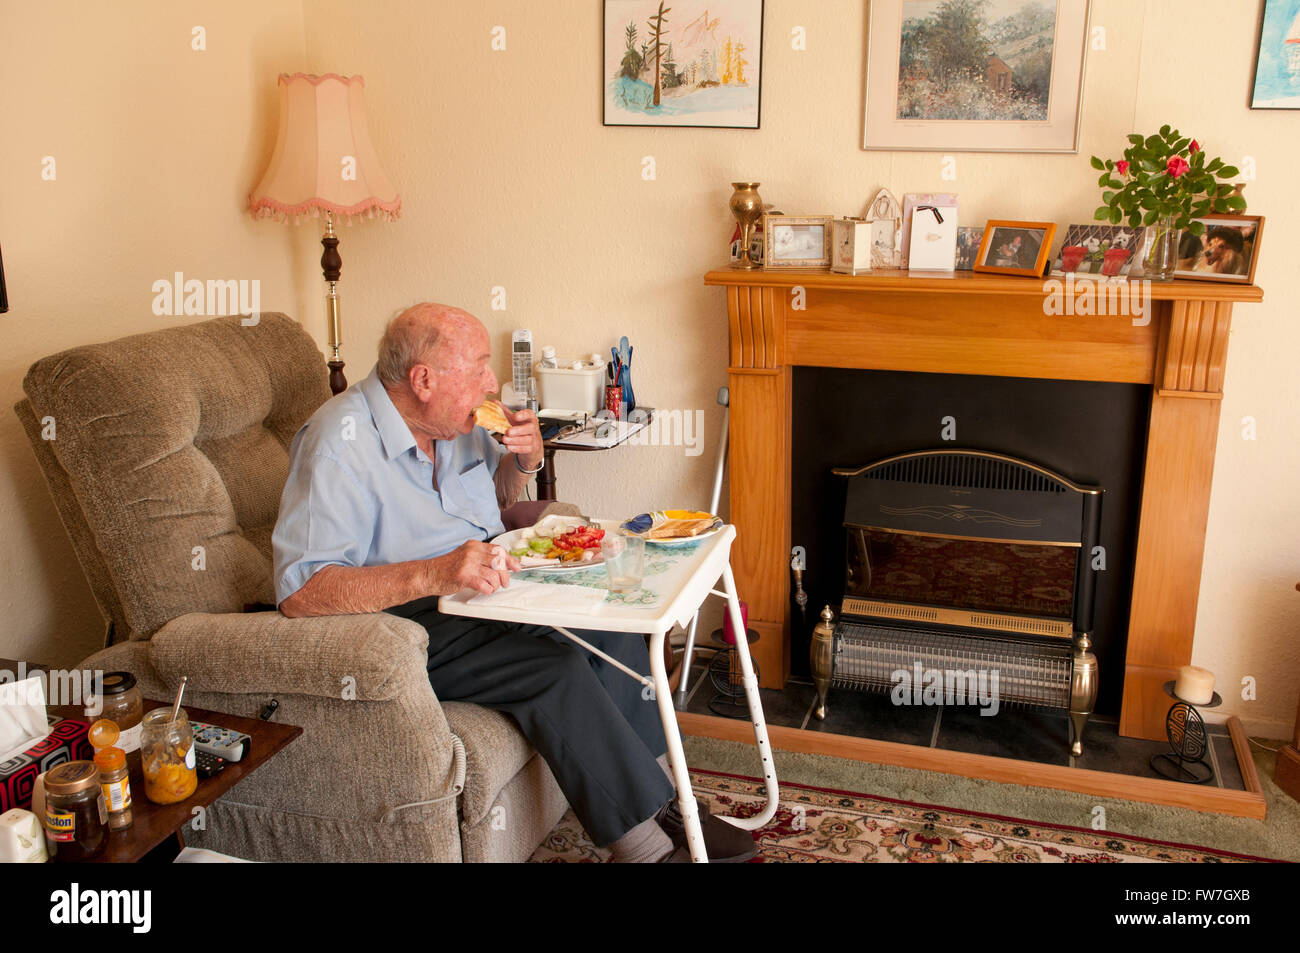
(921, 99)
(1015, 248)
(969, 239)
(1227, 251)
(886, 217)
(797, 241)
(1109, 251)
(1277, 56)
(713, 78)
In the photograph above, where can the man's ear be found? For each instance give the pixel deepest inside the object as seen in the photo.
(421, 381)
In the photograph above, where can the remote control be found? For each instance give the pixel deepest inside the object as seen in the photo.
(223, 742)
(207, 764)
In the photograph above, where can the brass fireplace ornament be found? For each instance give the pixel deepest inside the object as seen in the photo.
(747, 206)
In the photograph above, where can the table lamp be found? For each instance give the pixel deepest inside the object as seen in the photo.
(324, 160)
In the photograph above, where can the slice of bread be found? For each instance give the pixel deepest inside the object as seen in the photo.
(677, 529)
(491, 417)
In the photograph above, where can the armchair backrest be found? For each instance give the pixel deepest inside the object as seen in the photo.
(166, 453)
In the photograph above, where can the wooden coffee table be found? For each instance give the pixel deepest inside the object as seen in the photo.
(155, 834)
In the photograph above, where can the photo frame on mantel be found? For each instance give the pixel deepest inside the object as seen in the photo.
(1009, 77)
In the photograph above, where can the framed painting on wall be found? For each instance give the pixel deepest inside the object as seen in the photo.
(682, 63)
(1277, 57)
(975, 75)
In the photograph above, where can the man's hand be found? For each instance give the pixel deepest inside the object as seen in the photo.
(477, 565)
(524, 438)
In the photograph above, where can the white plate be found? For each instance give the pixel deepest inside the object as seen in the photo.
(554, 526)
(656, 519)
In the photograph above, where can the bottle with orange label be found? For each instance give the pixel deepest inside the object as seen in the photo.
(116, 785)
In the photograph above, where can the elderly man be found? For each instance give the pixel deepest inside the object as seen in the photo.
(392, 495)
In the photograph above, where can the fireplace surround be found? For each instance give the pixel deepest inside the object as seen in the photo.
(997, 326)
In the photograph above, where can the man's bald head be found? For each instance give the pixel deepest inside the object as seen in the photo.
(434, 361)
(424, 333)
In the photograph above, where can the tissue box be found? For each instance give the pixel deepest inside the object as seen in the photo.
(67, 741)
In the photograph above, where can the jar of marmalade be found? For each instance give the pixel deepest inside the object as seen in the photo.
(76, 817)
(167, 755)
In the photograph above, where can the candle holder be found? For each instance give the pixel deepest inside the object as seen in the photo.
(729, 699)
(1185, 730)
(747, 206)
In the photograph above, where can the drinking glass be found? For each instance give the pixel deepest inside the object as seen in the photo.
(624, 561)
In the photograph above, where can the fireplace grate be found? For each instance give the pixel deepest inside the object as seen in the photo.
(1029, 672)
(965, 470)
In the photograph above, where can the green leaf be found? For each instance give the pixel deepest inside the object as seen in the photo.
(1216, 164)
(1116, 216)
(1196, 228)
(1153, 143)
(1135, 139)
(1097, 163)
(1135, 219)
(1108, 197)
(1164, 130)
(1236, 202)
(1150, 217)
(1181, 144)
(1101, 214)
(1104, 180)
(1229, 171)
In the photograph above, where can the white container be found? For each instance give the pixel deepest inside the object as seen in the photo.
(570, 390)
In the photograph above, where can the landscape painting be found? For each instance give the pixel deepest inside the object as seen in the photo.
(682, 63)
(1277, 60)
(975, 59)
(975, 75)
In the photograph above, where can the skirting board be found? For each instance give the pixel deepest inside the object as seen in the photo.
(1215, 800)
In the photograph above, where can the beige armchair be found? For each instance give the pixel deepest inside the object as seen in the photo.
(168, 456)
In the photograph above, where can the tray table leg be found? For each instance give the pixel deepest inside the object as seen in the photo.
(676, 756)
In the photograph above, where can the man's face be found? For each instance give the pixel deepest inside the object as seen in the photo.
(459, 382)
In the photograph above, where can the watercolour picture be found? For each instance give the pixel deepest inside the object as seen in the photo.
(982, 75)
(1277, 60)
(682, 63)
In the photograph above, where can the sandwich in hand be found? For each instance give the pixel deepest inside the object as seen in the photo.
(491, 417)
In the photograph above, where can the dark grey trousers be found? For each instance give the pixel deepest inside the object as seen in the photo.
(589, 720)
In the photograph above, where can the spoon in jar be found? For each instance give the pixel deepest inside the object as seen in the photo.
(176, 707)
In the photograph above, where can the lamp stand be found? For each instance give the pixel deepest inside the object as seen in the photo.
(331, 264)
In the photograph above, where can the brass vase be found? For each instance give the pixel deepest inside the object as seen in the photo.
(747, 206)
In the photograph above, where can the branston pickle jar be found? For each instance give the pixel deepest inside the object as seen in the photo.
(167, 753)
(76, 816)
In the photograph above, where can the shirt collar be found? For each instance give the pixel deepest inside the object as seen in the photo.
(393, 432)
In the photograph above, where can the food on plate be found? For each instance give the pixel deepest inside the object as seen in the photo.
(677, 529)
(577, 544)
(491, 417)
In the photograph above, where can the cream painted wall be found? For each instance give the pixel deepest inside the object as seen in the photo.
(156, 146)
(509, 180)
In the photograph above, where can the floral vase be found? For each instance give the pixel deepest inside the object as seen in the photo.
(1162, 255)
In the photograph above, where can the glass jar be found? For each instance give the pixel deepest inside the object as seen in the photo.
(167, 755)
(76, 817)
(116, 785)
(119, 700)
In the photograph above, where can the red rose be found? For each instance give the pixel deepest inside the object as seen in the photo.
(1195, 146)
(1177, 166)
(1122, 166)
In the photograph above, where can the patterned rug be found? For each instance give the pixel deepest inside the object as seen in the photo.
(822, 826)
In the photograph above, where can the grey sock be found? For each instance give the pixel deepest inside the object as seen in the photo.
(644, 844)
(663, 763)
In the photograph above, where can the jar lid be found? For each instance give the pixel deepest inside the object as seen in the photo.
(71, 777)
(115, 683)
(110, 759)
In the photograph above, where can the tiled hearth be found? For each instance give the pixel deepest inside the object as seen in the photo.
(1023, 734)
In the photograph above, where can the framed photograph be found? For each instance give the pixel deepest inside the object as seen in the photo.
(1226, 251)
(968, 246)
(1015, 248)
(993, 76)
(794, 241)
(682, 63)
(1277, 57)
(1110, 250)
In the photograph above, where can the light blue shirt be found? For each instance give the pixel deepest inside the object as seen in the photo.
(360, 492)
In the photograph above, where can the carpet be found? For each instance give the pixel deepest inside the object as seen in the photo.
(815, 825)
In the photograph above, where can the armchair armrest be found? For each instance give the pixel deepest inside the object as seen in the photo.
(358, 657)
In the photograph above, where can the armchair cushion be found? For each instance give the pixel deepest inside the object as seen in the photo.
(353, 657)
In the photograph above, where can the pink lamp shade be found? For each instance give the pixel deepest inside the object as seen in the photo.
(323, 157)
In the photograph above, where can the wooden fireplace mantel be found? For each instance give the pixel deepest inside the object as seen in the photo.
(993, 325)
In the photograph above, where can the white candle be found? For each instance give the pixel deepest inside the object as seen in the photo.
(1195, 685)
